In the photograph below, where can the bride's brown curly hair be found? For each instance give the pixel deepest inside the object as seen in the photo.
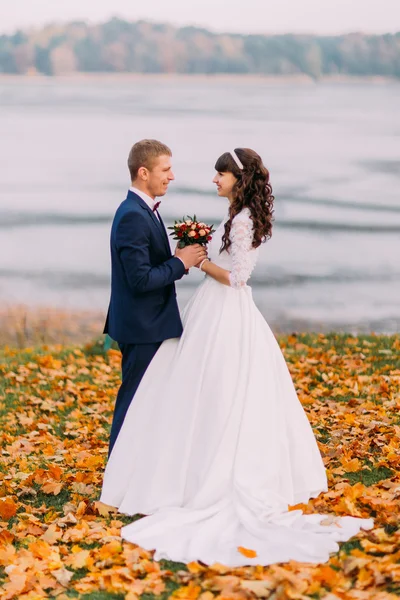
(252, 190)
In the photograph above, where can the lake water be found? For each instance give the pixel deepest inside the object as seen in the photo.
(333, 151)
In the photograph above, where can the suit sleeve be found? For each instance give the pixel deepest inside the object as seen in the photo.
(133, 241)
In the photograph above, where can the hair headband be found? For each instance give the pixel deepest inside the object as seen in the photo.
(236, 159)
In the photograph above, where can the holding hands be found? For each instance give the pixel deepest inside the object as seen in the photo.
(193, 237)
(191, 256)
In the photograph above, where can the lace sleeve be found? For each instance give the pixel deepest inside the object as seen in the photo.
(241, 236)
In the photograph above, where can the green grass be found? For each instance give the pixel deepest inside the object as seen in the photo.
(170, 565)
(369, 476)
(351, 545)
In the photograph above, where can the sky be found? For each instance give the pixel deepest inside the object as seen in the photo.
(327, 17)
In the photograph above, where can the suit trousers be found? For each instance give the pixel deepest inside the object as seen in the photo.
(135, 360)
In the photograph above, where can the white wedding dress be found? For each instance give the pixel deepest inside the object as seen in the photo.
(215, 444)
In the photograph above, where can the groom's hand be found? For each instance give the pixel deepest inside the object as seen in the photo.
(191, 255)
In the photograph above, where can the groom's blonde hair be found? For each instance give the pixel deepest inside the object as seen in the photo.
(144, 153)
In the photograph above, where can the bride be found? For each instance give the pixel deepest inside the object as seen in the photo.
(216, 444)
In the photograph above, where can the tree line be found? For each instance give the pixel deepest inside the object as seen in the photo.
(142, 47)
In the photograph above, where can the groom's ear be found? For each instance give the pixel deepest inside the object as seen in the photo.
(143, 173)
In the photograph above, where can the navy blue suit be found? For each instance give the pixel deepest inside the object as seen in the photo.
(143, 310)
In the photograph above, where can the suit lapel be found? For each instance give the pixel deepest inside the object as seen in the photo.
(157, 223)
(164, 229)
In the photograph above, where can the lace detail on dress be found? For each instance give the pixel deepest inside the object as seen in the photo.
(241, 250)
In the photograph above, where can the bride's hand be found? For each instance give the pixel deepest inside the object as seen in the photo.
(205, 259)
(191, 256)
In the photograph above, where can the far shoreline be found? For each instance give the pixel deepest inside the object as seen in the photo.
(302, 79)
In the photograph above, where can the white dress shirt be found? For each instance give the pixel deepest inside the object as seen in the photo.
(148, 199)
(150, 203)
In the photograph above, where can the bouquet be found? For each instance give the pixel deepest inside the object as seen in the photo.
(190, 231)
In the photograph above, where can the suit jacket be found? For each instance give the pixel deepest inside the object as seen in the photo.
(143, 307)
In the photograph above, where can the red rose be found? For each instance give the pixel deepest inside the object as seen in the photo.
(209, 238)
(180, 234)
(196, 236)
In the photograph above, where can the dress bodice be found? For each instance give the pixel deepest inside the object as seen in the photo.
(240, 258)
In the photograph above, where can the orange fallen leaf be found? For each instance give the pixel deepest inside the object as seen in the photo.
(246, 552)
(62, 575)
(104, 509)
(110, 549)
(261, 588)
(16, 584)
(299, 506)
(188, 592)
(40, 549)
(52, 534)
(8, 508)
(351, 466)
(82, 488)
(195, 567)
(6, 537)
(82, 507)
(206, 596)
(33, 529)
(131, 596)
(47, 582)
(52, 487)
(78, 560)
(7, 555)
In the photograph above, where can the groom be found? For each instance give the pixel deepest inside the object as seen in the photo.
(143, 309)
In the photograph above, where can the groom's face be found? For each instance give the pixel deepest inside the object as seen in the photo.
(160, 176)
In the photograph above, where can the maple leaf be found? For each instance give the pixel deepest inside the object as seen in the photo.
(246, 552)
(110, 549)
(16, 584)
(188, 592)
(52, 487)
(33, 529)
(132, 596)
(78, 560)
(6, 537)
(8, 508)
(7, 554)
(81, 488)
(40, 549)
(206, 596)
(52, 534)
(62, 575)
(68, 519)
(195, 567)
(55, 471)
(82, 508)
(261, 588)
(351, 466)
(104, 509)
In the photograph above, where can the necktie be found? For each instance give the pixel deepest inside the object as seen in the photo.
(157, 204)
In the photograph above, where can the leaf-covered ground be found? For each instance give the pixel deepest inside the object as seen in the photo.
(56, 540)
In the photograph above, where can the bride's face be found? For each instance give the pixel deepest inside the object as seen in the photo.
(225, 183)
